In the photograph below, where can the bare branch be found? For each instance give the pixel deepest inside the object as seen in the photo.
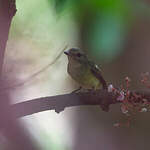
(103, 98)
(60, 102)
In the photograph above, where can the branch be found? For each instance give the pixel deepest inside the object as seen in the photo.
(60, 102)
(7, 11)
(103, 98)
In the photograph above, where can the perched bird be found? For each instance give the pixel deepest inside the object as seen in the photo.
(86, 73)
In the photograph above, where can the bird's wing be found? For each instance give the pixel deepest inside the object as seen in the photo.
(95, 69)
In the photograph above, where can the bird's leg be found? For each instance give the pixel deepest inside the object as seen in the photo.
(91, 89)
(80, 89)
(77, 90)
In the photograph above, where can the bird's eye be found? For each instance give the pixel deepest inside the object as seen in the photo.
(78, 54)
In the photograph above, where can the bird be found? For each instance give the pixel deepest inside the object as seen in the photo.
(85, 72)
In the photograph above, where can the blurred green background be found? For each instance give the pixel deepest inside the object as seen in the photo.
(114, 33)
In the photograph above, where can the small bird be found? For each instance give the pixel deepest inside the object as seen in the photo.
(86, 73)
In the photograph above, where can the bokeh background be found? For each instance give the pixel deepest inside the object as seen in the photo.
(113, 33)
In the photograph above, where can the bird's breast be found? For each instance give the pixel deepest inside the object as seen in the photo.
(83, 75)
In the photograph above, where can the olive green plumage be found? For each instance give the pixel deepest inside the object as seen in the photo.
(82, 70)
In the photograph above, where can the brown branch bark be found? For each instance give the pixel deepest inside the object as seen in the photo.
(7, 11)
(60, 102)
(103, 98)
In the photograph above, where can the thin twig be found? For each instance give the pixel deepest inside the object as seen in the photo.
(34, 74)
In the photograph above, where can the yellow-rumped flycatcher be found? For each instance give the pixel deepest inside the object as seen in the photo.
(86, 73)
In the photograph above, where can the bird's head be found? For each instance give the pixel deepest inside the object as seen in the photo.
(76, 54)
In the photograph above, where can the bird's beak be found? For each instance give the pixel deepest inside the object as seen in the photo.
(66, 52)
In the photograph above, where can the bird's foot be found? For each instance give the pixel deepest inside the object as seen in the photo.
(77, 90)
(80, 89)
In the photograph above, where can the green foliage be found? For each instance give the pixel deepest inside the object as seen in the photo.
(106, 36)
(59, 5)
(106, 23)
